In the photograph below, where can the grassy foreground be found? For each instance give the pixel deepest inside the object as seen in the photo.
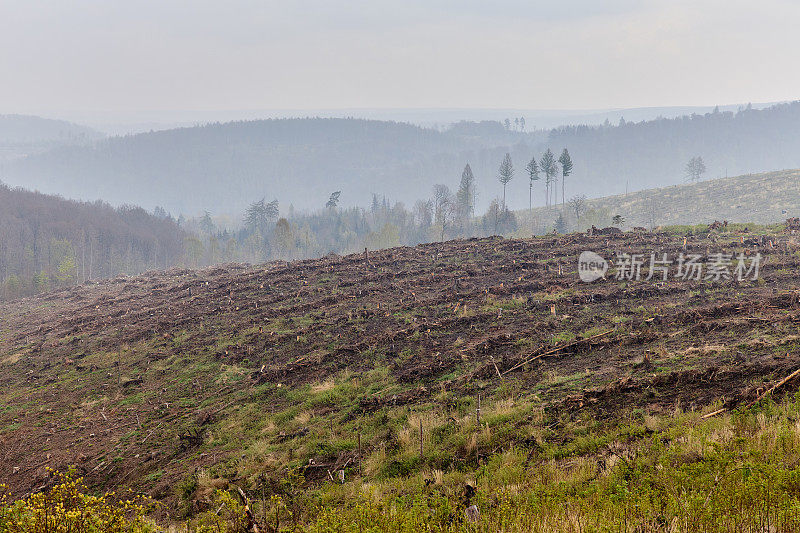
(733, 472)
(737, 472)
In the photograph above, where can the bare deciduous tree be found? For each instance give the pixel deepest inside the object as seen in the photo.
(578, 205)
(423, 213)
(444, 205)
(695, 168)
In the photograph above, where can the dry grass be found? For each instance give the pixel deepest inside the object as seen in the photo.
(323, 386)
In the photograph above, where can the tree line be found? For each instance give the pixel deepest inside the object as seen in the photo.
(48, 242)
(449, 212)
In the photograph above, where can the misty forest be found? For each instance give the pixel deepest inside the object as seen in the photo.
(503, 173)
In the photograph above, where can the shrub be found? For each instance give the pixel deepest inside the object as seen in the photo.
(68, 507)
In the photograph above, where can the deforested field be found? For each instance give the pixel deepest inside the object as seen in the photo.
(393, 390)
(763, 198)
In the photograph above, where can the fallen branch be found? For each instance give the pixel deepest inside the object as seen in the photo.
(557, 349)
(715, 413)
(778, 385)
(499, 375)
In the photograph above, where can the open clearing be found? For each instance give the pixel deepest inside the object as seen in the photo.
(251, 370)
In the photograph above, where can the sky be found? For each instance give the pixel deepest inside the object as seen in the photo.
(127, 56)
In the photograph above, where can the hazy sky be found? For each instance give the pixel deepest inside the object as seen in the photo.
(126, 55)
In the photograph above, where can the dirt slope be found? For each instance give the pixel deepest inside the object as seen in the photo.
(127, 378)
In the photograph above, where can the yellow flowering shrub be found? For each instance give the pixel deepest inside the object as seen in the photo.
(69, 508)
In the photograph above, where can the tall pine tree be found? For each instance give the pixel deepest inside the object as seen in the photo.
(465, 197)
(506, 175)
(566, 170)
(533, 175)
(548, 165)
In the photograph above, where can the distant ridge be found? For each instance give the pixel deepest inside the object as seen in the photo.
(31, 129)
(144, 121)
(222, 168)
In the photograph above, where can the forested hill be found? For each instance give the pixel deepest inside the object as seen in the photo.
(23, 135)
(48, 242)
(654, 153)
(31, 129)
(224, 167)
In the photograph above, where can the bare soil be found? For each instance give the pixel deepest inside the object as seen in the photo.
(119, 377)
